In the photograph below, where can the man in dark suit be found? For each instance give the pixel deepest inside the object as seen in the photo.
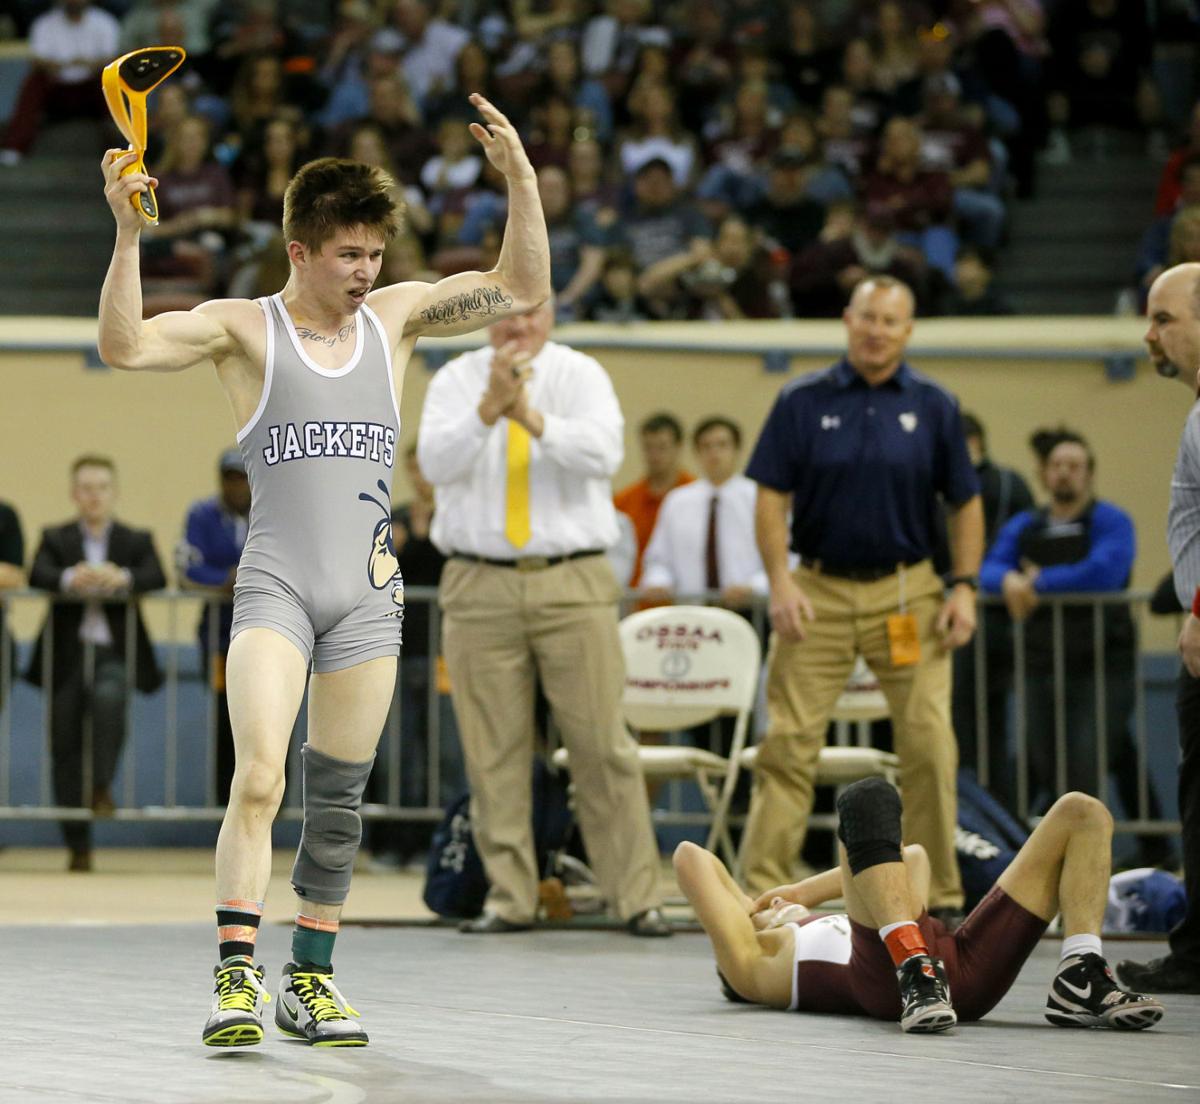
(99, 562)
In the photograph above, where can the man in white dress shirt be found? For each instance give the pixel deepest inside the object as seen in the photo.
(521, 439)
(704, 536)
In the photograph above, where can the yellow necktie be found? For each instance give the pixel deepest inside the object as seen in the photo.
(516, 493)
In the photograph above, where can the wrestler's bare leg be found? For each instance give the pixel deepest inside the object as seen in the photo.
(265, 676)
(1065, 865)
(887, 893)
(347, 710)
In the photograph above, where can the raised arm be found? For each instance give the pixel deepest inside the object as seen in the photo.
(521, 279)
(170, 342)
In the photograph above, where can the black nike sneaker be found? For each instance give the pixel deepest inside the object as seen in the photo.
(926, 995)
(1084, 993)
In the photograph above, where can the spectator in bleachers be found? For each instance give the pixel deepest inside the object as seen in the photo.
(785, 212)
(214, 535)
(1076, 543)
(894, 44)
(180, 22)
(738, 152)
(656, 134)
(850, 247)
(552, 131)
(68, 47)
(346, 60)
(1101, 71)
(919, 200)
(845, 142)
(1184, 245)
(972, 294)
(393, 110)
(617, 299)
(404, 259)
(703, 537)
(870, 105)
(196, 204)
(351, 85)
(1005, 40)
(429, 46)
(593, 107)
(455, 168)
(591, 186)
(824, 180)
(265, 172)
(576, 244)
(102, 562)
(1170, 182)
(256, 98)
(952, 142)
(805, 61)
(661, 438)
(661, 232)
(169, 107)
(612, 41)
(703, 62)
(738, 278)
(472, 73)
(1154, 250)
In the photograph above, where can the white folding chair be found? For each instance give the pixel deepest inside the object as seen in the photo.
(684, 666)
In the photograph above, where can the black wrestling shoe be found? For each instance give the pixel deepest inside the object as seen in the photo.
(1160, 975)
(926, 995)
(1084, 993)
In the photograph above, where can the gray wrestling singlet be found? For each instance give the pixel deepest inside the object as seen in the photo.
(319, 565)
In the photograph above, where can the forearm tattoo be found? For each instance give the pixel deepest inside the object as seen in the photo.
(344, 334)
(471, 304)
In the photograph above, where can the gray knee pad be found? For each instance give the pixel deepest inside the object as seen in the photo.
(869, 823)
(332, 831)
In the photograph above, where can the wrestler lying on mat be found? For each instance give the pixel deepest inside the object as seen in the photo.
(887, 958)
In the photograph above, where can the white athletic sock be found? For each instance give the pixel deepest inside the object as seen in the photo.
(1079, 945)
(887, 929)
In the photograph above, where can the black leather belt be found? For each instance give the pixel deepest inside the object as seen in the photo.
(528, 563)
(857, 573)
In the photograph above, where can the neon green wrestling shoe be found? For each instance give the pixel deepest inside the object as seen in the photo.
(311, 1008)
(238, 999)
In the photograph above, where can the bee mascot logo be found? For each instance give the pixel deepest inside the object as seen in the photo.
(383, 565)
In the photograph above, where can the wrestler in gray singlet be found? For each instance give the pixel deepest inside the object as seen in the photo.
(319, 565)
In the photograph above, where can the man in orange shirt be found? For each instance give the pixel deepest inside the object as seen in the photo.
(662, 442)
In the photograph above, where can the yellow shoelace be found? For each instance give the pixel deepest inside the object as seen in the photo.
(240, 988)
(314, 990)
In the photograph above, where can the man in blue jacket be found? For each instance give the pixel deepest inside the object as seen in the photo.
(1074, 544)
(207, 560)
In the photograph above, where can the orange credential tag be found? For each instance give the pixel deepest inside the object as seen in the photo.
(904, 640)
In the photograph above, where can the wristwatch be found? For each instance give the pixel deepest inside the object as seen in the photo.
(970, 580)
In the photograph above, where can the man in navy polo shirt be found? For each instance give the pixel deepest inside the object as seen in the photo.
(861, 454)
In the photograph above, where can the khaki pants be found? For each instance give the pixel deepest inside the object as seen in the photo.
(803, 683)
(503, 628)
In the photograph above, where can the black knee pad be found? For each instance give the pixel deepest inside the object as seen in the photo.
(869, 823)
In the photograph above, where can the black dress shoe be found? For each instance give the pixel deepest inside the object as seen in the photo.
(80, 861)
(1159, 975)
(950, 916)
(650, 923)
(488, 923)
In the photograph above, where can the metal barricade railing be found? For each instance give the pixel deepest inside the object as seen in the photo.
(419, 764)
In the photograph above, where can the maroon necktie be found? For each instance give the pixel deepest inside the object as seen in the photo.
(712, 573)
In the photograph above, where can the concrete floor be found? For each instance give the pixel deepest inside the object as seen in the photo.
(112, 1012)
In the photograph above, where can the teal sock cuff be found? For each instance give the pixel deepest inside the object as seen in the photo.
(314, 947)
